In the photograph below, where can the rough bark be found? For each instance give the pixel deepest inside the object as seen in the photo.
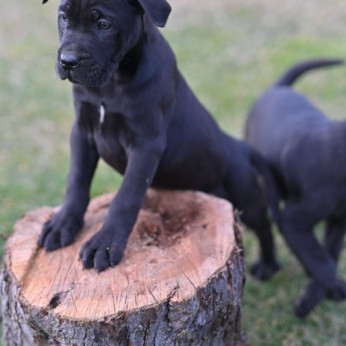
(180, 281)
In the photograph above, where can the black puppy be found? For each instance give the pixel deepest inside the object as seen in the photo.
(307, 153)
(135, 110)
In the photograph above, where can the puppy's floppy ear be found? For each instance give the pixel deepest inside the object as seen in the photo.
(157, 10)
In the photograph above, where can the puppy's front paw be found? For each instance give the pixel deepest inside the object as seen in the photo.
(264, 271)
(59, 231)
(101, 252)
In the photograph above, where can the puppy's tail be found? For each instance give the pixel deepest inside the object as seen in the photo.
(271, 187)
(294, 72)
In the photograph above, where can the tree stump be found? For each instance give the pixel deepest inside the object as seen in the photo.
(179, 283)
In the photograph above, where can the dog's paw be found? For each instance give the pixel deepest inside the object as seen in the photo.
(59, 231)
(311, 296)
(101, 252)
(264, 271)
(338, 292)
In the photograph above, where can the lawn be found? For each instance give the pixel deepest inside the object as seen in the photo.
(229, 51)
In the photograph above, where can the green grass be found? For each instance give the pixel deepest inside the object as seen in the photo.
(229, 55)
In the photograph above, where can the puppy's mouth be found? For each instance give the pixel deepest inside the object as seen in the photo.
(85, 74)
(66, 75)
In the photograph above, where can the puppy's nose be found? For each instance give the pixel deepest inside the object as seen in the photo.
(68, 61)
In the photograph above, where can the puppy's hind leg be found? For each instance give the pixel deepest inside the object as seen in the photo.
(334, 236)
(247, 196)
(256, 219)
(298, 220)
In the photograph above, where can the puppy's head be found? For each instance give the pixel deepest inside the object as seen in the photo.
(95, 35)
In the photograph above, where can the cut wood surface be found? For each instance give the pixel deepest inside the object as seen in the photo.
(182, 243)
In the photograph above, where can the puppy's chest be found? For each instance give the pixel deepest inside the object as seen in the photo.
(111, 136)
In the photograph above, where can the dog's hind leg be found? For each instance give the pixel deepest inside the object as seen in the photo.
(266, 265)
(334, 236)
(248, 197)
(298, 220)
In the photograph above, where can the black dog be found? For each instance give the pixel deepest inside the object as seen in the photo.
(135, 110)
(307, 153)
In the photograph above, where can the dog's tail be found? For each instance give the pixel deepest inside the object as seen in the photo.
(271, 186)
(293, 73)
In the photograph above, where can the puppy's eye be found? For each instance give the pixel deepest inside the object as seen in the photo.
(63, 17)
(103, 24)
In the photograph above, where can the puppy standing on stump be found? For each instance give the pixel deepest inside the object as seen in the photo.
(135, 110)
(307, 154)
